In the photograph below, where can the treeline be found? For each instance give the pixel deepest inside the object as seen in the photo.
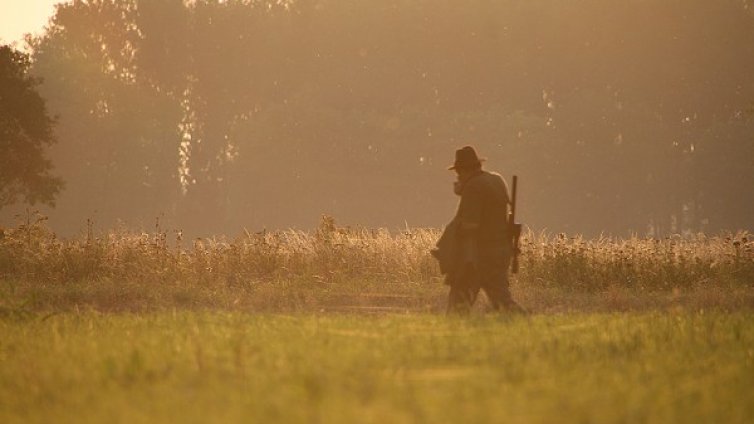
(618, 116)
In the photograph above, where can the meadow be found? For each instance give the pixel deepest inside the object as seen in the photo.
(336, 268)
(189, 366)
(347, 325)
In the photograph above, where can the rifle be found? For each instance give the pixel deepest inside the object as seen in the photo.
(515, 227)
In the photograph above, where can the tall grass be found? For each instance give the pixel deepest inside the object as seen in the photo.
(330, 254)
(674, 262)
(32, 252)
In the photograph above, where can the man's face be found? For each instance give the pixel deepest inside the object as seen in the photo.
(462, 173)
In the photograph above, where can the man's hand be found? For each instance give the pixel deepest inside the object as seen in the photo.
(457, 187)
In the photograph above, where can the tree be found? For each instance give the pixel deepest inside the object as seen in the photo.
(219, 115)
(118, 137)
(25, 131)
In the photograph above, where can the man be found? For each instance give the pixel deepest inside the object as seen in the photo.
(476, 248)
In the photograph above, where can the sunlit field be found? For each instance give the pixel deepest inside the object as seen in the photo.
(185, 366)
(165, 166)
(348, 325)
(336, 268)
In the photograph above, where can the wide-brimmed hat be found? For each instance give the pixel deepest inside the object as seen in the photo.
(466, 157)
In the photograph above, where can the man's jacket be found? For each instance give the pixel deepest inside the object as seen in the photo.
(447, 248)
(480, 223)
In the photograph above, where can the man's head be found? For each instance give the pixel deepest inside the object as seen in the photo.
(466, 161)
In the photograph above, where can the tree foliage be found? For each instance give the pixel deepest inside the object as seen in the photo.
(26, 130)
(618, 116)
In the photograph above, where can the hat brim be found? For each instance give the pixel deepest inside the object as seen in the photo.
(457, 166)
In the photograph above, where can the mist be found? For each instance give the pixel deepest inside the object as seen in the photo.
(618, 117)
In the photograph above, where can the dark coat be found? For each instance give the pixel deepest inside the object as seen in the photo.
(484, 204)
(447, 249)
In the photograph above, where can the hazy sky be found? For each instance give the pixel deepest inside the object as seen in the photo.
(18, 17)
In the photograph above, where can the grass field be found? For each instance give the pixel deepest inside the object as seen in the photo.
(335, 268)
(188, 366)
(347, 325)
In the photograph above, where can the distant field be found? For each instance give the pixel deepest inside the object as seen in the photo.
(345, 269)
(186, 366)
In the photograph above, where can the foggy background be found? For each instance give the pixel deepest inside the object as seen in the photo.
(619, 117)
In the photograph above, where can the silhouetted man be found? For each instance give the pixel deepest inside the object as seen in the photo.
(476, 248)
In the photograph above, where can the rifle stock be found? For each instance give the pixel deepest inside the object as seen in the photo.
(514, 227)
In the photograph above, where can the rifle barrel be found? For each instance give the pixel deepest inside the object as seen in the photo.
(513, 199)
(516, 228)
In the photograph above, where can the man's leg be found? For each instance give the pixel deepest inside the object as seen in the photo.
(459, 300)
(463, 292)
(501, 299)
(496, 285)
